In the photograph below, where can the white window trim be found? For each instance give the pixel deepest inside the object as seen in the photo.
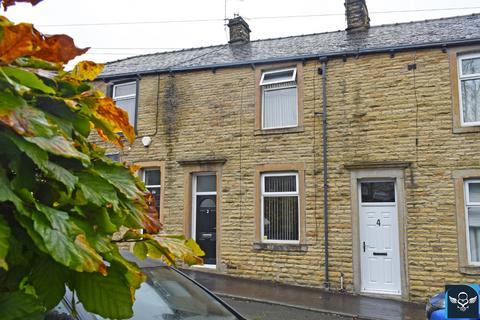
(124, 97)
(293, 78)
(467, 224)
(278, 194)
(461, 78)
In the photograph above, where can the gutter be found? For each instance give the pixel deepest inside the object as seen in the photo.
(337, 54)
(324, 60)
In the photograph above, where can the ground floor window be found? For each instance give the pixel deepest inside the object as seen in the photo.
(472, 211)
(280, 207)
(152, 180)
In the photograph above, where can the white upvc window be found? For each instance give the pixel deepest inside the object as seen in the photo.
(469, 87)
(279, 99)
(472, 216)
(125, 97)
(151, 178)
(280, 211)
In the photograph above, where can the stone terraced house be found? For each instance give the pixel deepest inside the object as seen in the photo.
(343, 160)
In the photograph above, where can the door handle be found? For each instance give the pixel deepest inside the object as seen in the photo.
(363, 246)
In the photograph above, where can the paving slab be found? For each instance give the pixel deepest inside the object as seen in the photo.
(315, 299)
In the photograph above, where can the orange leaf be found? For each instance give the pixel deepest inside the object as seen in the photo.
(8, 3)
(87, 70)
(24, 40)
(115, 116)
(59, 48)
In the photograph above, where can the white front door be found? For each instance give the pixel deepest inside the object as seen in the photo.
(379, 238)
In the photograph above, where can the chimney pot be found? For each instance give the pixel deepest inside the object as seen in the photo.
(239, 30)
(356, 13)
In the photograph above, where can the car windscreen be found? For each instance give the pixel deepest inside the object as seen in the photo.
(168, 295)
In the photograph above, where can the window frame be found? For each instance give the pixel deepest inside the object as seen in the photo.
(259, 97)
(279, 194)
(293, 78)
(264, 89)
(461, 78)
(154, 164)
(112, 90)
(468, 204)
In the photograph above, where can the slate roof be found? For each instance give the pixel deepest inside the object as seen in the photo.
(400, 36)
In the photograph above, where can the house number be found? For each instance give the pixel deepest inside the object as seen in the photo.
(378, 222)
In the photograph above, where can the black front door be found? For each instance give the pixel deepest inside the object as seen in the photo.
(206, 227)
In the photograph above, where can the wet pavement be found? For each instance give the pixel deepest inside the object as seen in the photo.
(347, 305)
(254, 310)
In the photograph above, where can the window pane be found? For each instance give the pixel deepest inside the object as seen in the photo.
(207, 183)
(471, 100)
(471, 66)
(280, 108)
(280, 218)
(474, 192)
(129, 106)
(113, 156)
(474, 233)
(285, 75)
(281, 183)
(125, 89)
(152, 177)
(378, 191)
(156, 195)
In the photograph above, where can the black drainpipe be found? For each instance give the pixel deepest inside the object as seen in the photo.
(323, 60)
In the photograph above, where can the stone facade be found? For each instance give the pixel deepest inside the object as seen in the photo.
(382, 110)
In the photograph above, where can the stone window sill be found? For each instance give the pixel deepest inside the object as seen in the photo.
(470, 270)
(280, 247)
(261, 132)
(460, 129)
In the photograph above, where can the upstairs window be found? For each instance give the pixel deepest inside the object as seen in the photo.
(469, 86)
(125, 96)
(279, 99)
(472, 212)
(280, 207)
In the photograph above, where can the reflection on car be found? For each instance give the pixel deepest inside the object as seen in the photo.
(168, 294)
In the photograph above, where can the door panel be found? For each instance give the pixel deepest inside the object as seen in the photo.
(379, 238)
(206, 226)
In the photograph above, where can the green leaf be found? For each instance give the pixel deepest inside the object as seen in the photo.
(4, 242)
(108, 296)
(59, 146)
(40, 158)
(19, 306)
(119, 177)
(23, 119)
(48, 278)
(28, 79)
(140, 250)
(64, 242)
(97, 190)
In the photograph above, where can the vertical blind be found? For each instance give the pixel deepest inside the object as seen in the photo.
(470, 89)
(280, 208)
(473, 219)
(152, 183)
(125, 96)
(280, 105)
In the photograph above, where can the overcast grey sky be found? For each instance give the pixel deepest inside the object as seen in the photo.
(116, 41)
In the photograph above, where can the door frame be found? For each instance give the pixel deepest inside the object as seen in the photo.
(194, 206)
(398, 175)
(191, 167)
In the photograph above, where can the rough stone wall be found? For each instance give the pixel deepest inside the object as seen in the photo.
(377, 109)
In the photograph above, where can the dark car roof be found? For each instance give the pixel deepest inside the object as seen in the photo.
(400, 36)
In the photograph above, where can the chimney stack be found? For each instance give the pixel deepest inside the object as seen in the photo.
(239, 30)
(356, 13)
